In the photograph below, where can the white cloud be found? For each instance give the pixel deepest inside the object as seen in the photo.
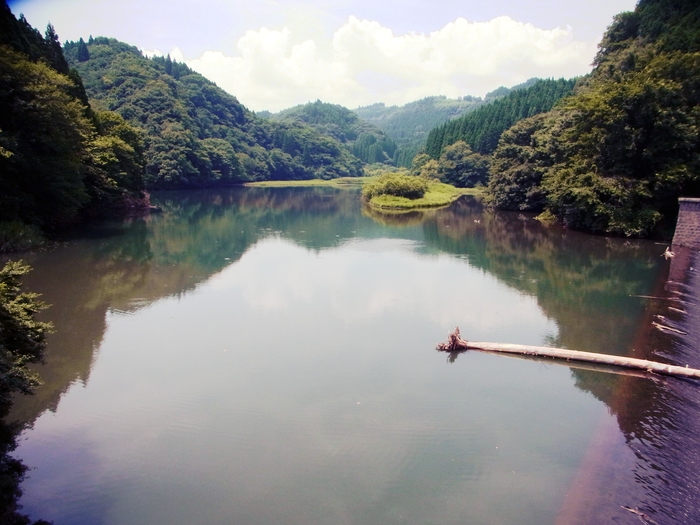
(365, 62)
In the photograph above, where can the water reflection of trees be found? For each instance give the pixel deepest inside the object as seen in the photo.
(129, 265)
(590, 286)
(396, 218)
(584, 283)
(660, 420)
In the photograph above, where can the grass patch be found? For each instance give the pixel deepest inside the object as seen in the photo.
(438, 194)
(343, 182)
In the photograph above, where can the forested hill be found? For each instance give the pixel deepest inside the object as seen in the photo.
(482, 127)
(616, 156)
(408, 125)
(363, 139)
(196, 134)
(58, 158)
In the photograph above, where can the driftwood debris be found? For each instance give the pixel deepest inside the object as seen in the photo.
(455, 343)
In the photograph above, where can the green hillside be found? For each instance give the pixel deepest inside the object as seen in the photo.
(616, 156)
(196, 134)
(59, 159)
(366, 141)
(482, 128)
(408, 125)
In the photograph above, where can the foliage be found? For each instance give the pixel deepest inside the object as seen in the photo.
(195, 134)
(397, 184)
(43, 141)
(482, 128)
(16, 236)
(364, 140)
(523, 156)
(461, 167)
(21, 336)
(616, 156)
(408, 125)
(436, 195)
(52, 145)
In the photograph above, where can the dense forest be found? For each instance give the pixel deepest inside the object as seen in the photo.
(409, 125)
(367, 142)
(482, 128)
(196, 134)
(59, 159)
(615, 156)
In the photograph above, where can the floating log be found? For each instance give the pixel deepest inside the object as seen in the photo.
(455, 343)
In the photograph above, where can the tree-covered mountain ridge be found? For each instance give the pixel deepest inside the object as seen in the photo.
(59, 158)
(482, 128)
(365, 140)
(408, 125)
(615, 156)
(196, 134)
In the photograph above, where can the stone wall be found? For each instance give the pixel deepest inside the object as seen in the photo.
(688, 225)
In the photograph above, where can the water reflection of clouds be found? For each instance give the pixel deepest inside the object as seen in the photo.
(366, 279)
(329, 405)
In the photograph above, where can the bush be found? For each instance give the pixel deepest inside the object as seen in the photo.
(16, 236)
(396, 184)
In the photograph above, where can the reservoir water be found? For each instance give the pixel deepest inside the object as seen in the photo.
(267, 356)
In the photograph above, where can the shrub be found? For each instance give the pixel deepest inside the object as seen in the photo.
(396, 184)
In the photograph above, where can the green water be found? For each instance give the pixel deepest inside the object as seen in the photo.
(266, 356)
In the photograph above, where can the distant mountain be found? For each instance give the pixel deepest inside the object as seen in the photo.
(365, 140)
(196, 134)
(409, 125)
(503, 91)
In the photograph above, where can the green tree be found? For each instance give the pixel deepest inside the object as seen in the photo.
(461, 167)
(83, 52)
(43, 136)
(22, 338)
(524, 154)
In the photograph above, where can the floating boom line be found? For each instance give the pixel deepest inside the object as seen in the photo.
(455, 343)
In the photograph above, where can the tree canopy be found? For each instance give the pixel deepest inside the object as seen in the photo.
(195, 134)
(53, 147)
(616, 155)
(482, 128)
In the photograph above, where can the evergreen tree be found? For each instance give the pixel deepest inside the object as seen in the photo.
(83, 53)
(54, 51)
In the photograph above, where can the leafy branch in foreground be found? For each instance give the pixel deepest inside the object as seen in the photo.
(22, 338)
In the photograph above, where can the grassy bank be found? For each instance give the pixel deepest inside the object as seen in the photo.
(438, 194)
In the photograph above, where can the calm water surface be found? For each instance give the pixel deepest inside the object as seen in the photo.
(266, 356)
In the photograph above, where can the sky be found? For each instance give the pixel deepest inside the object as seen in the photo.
(273, 55)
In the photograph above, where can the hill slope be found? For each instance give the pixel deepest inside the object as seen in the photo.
(196, 134)
(58, 158)
(482, 128)
(616, 156)
(363, 139)
(409, 125)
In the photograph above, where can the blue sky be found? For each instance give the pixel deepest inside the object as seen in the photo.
(275, 54)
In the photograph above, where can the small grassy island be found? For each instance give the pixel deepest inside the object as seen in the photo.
(399, 190)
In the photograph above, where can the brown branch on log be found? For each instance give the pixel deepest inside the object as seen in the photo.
(455, 344)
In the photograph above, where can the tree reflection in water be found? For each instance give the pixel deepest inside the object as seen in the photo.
(588, 285)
